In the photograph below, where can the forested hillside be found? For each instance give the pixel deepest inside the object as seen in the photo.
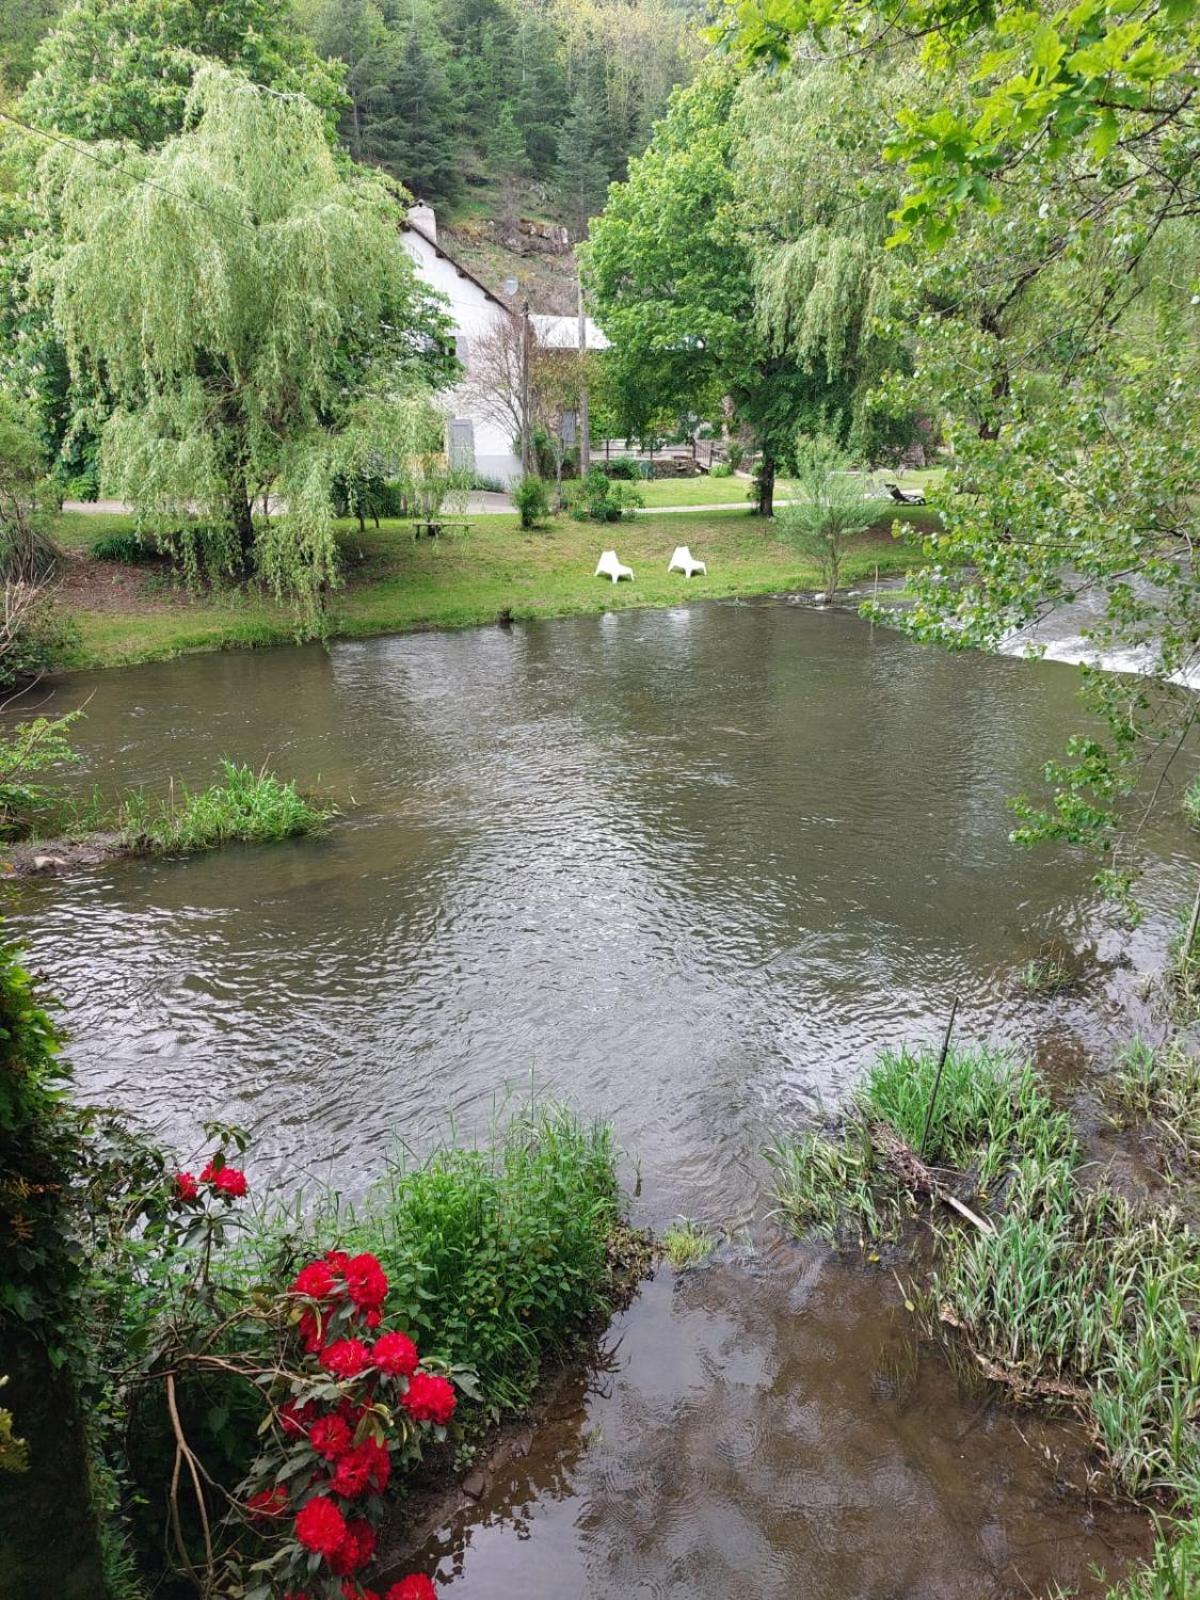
(510, 117)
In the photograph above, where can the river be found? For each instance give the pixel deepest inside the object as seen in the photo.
(689, 869)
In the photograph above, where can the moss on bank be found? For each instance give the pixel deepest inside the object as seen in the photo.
(129, 614)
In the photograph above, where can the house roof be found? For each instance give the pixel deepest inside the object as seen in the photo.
(552, 332)
(409, 226)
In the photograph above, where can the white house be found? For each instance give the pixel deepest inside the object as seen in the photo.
(474, 434)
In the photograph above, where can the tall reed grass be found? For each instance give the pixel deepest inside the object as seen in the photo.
(247, 807)
(1074, 1294)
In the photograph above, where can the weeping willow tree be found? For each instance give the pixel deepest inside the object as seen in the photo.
(244, 307)
(815, 197)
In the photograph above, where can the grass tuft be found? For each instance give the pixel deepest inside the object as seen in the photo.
(248, 807)
(1069, 1293)
(1160, 1087)
(687, 1244)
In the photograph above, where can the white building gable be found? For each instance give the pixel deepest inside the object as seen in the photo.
(473, 311)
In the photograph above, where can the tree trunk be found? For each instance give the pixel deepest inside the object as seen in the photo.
(241, 517)
(766, 485)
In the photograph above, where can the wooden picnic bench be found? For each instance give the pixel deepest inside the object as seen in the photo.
(431, 527)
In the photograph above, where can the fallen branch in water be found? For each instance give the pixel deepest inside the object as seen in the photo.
(907, 1167)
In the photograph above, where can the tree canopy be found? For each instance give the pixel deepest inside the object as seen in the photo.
(249, 322)
(1044, 230)
(122, 69)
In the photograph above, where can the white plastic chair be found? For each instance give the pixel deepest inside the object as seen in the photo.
(609, 567)
(684, 561)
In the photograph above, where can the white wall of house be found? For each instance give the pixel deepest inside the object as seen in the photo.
(473, 311)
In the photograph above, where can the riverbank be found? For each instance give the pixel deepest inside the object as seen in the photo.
(131, 613)
(1048, 1280)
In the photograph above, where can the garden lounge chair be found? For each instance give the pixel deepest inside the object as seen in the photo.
(684, 561)
(905, 497)
(609, 567)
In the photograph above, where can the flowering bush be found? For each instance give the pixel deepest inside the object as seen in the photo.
(345, 1409)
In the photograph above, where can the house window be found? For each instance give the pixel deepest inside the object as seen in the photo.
(462, 443)
(462, 348)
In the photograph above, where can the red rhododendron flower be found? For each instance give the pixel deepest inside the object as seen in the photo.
(321, 1527)
(186, 1187)
(226, 1180)
(268, 1503)
(338, 1260)
(373, 1317)
(351, 1410)
(345, 1358)
(367, 1466)
(315, 1280)
(330, 1437)
(430, 1398)
(355, 1550)
(354, 1591)
(366, 1282)
(395, 1354)
(415, 1587)
(295, 1419)
(309, 1329)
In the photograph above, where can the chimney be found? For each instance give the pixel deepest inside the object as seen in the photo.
(424, 219)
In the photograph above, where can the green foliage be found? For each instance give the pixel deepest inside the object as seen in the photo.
(499, 1256)
(123, 69)
(1171, 1571)
(41, 1267)
(248, 808)
(687, 1244)
(597, 498)
(128, 548)
(305, 366)
(14, 1452)
(1160, 1087)
(1069, 1291)
(27, 550)
(33, 748)
(828, 509)
(531, 500)
(720, 469)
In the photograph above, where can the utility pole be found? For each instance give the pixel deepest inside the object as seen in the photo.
(526, 441)
(585, 432)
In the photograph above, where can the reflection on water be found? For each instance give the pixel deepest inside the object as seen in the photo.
(776, 1434)
(692, 870)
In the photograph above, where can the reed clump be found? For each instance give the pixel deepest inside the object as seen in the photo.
(246, 807)
(1056, 1285)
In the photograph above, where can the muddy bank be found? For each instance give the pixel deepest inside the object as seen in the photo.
(48, 858)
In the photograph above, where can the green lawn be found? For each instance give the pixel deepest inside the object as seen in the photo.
(394, 584)
(706, 491)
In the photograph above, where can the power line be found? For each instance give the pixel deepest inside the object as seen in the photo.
(115, 166)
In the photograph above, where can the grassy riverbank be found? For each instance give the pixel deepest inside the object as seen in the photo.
(133, 613)
(1047, 1278)
(497, 1260)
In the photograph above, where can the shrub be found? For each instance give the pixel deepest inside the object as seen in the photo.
(829, 511)
(531, 500)
(598, 500)
(720, 469)
(35, 637)
(486, 1261)
(33, 748)
(128, 548)
(27, 551)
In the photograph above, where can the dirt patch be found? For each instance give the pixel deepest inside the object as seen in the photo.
(48, 858)
(85, 584)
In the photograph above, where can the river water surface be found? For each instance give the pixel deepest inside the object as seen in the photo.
(691, 870)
